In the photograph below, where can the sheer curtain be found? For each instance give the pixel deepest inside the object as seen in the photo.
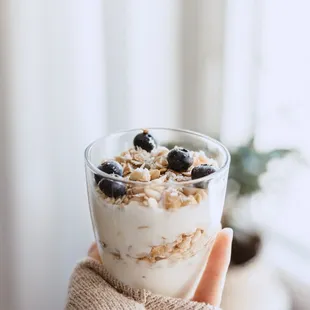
(73, 71)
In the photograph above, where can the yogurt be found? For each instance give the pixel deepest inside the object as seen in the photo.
(127, 234)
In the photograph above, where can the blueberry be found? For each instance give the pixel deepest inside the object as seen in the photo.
(109, 167)
(202, 171)
(112, 188)
(179, 159)
(145, 141)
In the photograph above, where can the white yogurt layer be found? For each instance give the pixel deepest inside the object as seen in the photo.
(130, 231)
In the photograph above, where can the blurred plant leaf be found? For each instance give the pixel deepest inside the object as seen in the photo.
(247, 165)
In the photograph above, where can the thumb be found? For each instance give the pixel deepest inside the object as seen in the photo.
(94, 253)
(210, 288)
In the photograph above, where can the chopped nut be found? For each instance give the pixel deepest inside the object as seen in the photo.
(172, 200)
(140, 174)
(152, 193)
(189, 191)
(155, 174)
(198, 197)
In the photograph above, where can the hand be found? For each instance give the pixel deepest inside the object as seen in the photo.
(210, 288)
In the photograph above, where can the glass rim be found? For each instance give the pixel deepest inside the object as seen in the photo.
(214, 175)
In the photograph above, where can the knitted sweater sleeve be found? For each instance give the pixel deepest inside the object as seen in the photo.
(91, 287)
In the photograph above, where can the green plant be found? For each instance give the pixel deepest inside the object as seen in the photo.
(247, 164)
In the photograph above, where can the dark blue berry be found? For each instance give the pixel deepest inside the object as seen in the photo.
(112, 188)
(109, 167)
(145, 141)
(179, 159)
(202, 171)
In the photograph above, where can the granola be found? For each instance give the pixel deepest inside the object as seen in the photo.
(185, 246)
(152, 169)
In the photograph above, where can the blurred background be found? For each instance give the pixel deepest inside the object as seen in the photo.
(72, 71)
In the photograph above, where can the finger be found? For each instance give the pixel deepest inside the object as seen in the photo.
(93, 252)
(210, 288)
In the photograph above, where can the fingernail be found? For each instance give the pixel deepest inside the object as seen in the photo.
(228, 231)
(92, 248)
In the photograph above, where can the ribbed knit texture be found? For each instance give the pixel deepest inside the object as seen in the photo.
(92, 287)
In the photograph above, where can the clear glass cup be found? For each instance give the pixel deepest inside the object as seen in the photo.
(157, 242)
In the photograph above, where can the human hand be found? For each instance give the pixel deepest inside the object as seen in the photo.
(210, 288)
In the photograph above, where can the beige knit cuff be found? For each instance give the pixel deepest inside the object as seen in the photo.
(93, 288)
